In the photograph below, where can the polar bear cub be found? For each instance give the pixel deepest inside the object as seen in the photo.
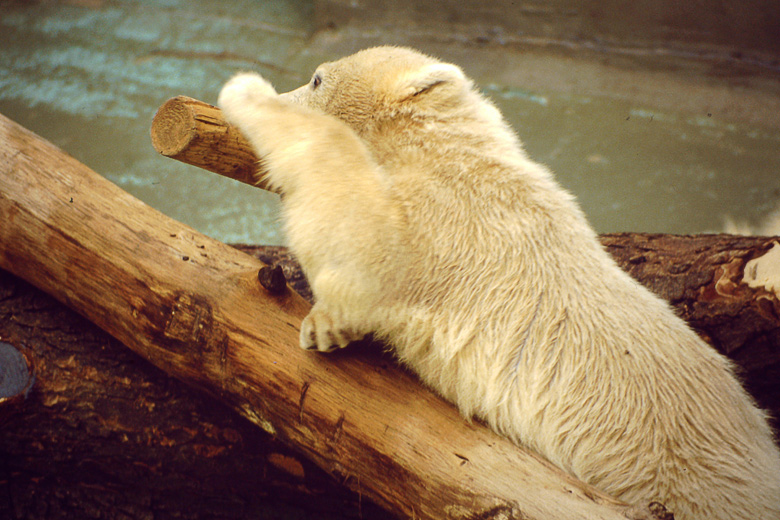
(417, 216)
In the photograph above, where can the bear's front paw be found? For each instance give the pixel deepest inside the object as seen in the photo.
(243, 89)
(321, 331)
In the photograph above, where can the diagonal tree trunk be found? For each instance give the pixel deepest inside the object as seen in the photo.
(105, 434)
(195, 309)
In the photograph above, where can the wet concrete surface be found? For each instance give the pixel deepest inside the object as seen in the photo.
(648, 141)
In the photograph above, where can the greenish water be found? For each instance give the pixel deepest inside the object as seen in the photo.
(91, 79)
(636, 169)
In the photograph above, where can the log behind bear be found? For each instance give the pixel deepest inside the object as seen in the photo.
(417, 216)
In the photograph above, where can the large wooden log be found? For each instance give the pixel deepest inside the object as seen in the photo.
(104, 434)
(193, 307)
(110, 433)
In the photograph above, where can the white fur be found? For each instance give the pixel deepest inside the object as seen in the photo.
(418, 217)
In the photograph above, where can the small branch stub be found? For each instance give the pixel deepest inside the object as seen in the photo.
(273, 279)
(195, 133)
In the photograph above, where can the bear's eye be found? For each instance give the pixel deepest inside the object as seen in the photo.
(316, 81)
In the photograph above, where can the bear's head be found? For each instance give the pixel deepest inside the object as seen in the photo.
(381, 84)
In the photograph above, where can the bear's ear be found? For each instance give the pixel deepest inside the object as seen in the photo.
(430, 77)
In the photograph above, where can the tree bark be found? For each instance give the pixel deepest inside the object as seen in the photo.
(195, 309)
(104, 434)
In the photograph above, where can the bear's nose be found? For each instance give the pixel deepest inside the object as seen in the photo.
(294, 96)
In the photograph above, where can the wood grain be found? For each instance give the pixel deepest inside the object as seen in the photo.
(190, 131)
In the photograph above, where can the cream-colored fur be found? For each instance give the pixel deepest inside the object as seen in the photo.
(418, 217)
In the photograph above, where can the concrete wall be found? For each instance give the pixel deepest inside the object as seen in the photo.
(740, 28)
